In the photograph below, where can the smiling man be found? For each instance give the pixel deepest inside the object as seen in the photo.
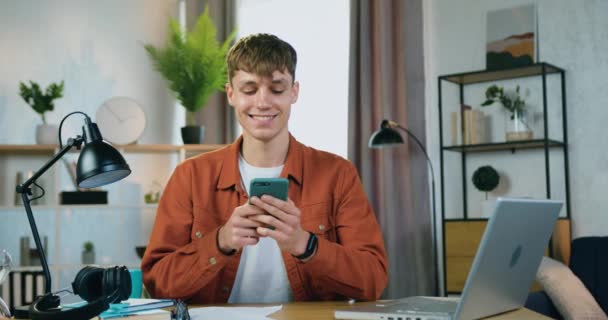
(208, 244)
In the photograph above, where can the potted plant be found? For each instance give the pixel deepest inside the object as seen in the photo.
(42, 102)
(516, 126)
(88, 253)
(194, 65)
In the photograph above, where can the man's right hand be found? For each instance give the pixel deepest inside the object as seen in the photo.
(239, 230)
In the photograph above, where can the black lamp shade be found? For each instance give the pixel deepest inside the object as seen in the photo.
(385, 137)
(100, 164)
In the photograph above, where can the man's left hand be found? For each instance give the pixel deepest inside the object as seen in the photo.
(284, 216)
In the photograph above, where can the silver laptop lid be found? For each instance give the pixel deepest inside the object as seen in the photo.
(508, 257)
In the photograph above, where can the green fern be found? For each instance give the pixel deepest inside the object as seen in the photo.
(39, 101)
(192, 62)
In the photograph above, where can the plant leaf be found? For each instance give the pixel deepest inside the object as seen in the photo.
(192, 63)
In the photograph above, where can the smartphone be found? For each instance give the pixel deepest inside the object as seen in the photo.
(276, 187)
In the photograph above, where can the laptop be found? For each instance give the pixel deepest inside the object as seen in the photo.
(504, 268)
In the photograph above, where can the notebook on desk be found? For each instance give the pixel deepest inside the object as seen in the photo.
(503, 270)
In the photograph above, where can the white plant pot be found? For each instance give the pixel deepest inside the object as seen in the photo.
(88, 257)
(47, 134)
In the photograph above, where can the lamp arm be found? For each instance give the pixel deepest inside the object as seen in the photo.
(25, 191)
(430, 164)
(86, 117)
(72, 142)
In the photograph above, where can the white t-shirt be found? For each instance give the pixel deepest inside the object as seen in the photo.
(261, 277)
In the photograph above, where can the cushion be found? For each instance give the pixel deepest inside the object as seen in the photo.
(567, 292)
(589, 262)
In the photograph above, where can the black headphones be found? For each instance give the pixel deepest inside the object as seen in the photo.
(98, 286)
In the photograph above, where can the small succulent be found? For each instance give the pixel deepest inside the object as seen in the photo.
(40, 101)
(88, 246)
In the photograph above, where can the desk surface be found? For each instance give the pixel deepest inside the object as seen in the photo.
(325, 311)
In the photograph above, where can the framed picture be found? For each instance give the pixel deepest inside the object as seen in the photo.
(511, 37)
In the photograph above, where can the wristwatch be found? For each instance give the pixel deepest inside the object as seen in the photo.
(311, 246)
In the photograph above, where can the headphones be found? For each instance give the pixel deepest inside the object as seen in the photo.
(98, 286)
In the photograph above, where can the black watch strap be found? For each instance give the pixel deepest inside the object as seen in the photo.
(311, 246)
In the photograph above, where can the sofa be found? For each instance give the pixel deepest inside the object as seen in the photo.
(589, 264)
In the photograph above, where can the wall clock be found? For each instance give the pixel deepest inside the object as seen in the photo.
(121, 120)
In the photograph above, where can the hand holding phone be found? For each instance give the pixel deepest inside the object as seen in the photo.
(276, 187)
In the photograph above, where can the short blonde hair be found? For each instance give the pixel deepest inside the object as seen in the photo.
(261, 54)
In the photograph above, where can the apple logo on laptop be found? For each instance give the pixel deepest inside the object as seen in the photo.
(515, 256)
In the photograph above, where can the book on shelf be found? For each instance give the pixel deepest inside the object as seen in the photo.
(471, 129)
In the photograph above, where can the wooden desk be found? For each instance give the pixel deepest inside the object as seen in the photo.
(325, 311)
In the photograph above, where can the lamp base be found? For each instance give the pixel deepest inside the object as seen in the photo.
(21, 312)
(51, 302)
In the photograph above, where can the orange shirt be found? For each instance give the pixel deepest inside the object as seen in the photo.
(183, 261)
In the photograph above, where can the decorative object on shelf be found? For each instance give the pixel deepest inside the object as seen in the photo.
(121, 119)
(516, 125)
(31, 256)
(88, 253)
(5, 269)
(485, 179)
(24, 251)
(98, 164)
(511, 37)
(194, 65)
(42, 103)
(472, 129)
(140, 250)
(387, 136)
(153, 196)
(84, 197)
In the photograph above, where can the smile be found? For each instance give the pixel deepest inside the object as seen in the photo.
(262, 117)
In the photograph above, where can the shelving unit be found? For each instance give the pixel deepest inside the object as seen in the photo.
(115, 228)
(534, 161)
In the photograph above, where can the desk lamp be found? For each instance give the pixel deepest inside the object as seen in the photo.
(98, 164)
(388, 136)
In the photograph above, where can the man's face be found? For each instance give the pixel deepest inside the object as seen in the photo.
(262, 104)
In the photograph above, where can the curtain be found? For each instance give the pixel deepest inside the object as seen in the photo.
(386, 81)
(217, 116)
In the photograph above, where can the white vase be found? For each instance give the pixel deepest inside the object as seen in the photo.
(47, 134)
(516, 127)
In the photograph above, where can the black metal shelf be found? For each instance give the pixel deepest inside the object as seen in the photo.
(500, 146)
(502, 74)
(542, 71)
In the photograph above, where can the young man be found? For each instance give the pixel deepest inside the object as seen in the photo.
(209, 245)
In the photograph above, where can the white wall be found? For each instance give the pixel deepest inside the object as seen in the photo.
(96, 47)
(319, 31)
(572, 35)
